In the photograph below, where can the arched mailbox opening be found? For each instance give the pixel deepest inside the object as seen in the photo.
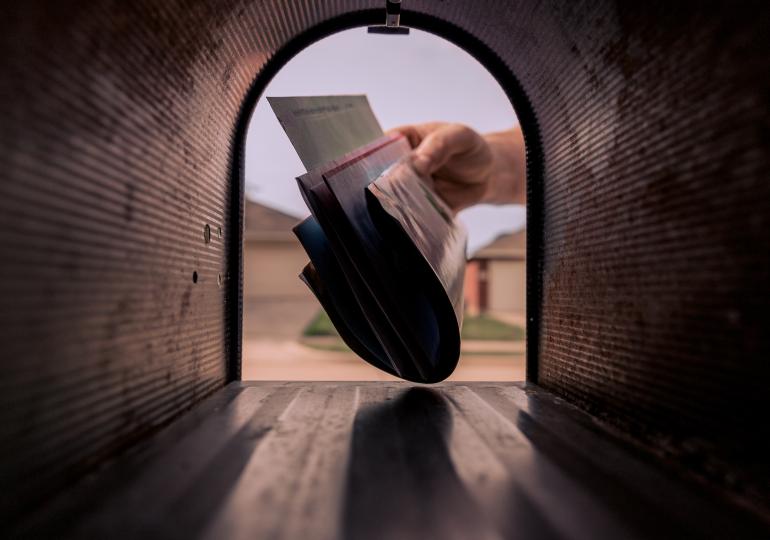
(123, 132)
(274, 304)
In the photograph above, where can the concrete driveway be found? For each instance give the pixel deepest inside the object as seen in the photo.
(272, 350)
(265, 360)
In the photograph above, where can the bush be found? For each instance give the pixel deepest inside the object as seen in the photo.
(321, 325)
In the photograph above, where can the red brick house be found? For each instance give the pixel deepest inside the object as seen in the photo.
(495, 278)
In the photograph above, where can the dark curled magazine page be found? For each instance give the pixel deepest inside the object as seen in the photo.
(428, 222)
(326, 280)
(354, 267)
(397, 292)
(414, 221)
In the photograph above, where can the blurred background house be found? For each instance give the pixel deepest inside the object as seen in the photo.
(495, 278)
(277, 305)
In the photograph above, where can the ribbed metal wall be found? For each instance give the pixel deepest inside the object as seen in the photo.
(656, 275)
(118, 144)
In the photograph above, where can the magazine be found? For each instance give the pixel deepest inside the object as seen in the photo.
(387, 257)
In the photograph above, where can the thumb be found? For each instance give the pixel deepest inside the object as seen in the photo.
(430, 155)
(436, 149)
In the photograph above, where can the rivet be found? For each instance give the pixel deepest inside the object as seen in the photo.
(207, 233)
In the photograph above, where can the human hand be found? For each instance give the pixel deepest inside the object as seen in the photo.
(468, 168)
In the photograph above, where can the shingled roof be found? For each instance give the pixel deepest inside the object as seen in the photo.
(507, 246)
(266, 223)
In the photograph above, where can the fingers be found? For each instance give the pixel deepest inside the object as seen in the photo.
(410, 132)
(439, 146)
(415, 133)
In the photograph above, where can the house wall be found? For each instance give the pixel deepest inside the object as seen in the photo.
(471, 288)
(271, 270)
(507, 286)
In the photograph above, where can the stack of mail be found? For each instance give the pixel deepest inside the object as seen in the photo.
(387, 257)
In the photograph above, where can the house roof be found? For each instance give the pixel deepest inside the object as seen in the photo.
(266, 223)
(507, 246)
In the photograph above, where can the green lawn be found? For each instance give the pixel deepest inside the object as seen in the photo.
(480, 327)
(321, 325)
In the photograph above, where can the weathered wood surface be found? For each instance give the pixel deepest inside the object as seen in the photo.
(389, 460)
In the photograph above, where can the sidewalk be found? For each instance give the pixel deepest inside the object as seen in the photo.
(478, 346)
(293, 361)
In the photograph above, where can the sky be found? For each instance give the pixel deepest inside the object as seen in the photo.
(408, 79)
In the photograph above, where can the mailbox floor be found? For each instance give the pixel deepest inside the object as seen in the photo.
(390, 460)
